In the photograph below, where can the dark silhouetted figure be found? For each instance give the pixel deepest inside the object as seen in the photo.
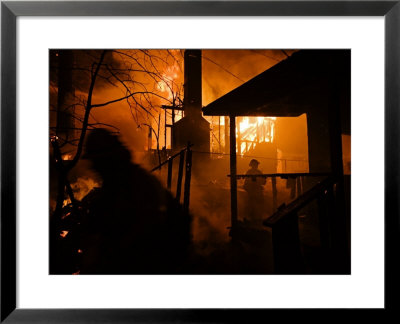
(133, 225)
(255, 196)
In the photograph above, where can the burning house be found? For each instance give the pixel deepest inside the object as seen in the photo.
(315, 83)
(292, 118)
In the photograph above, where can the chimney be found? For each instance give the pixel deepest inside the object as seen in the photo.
(192, 86)
(193, 127)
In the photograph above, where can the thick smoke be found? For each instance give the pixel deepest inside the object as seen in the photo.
(223, 70)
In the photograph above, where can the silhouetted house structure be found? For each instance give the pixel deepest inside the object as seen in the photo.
(315, 82)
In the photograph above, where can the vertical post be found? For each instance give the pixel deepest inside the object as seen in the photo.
(158, 140)
(232, 127)
(226, 131)
(219, 133)
(323, 217)
(302, 184)
(298, 186)
(188, 174)
(169, 176)
(340, 244)
(172, 126)
(180, 175)
(274, 194)
(149, 139)
(165, 128)
(239, 141)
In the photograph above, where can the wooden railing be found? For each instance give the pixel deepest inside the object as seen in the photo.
(182, 154)
(298, 185)
(285, 229)
(284, 221)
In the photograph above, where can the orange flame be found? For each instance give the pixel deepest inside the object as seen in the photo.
(63, 234)
(253, 130)
(167, 84)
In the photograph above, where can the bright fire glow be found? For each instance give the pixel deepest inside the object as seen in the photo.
(253, 130)
(166, 85)
(67, 157)
(63, 234)
(66, 202)
(169, 88)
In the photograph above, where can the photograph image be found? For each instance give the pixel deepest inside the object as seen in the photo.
(199, 161)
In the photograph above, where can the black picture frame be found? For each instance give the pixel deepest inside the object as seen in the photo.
(10, 10)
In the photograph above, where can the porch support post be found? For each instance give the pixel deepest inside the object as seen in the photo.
(232, 137)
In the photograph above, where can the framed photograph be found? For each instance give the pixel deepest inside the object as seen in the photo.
(197, 160)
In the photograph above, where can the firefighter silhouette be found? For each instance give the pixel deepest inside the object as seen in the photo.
(133, 225)
(255, 197)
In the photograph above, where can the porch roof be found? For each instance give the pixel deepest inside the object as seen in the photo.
(288, 88)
